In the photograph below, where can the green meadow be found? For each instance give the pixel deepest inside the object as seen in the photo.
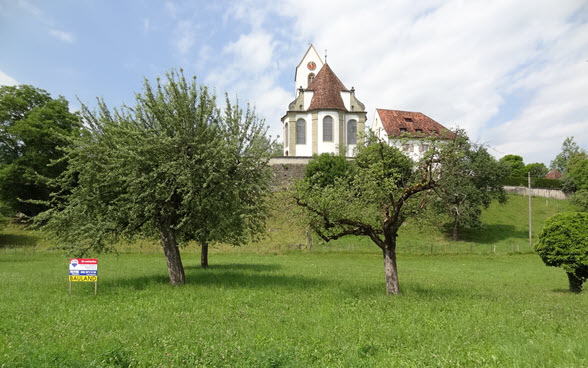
(482, 301)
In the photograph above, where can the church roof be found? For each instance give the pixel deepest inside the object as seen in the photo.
(327, 90)
(553, 174)
(397, 122)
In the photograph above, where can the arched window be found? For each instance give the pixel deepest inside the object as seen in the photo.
(286, 135)
(300, 131)
(352, 132)
(310, 78)
(327, 129)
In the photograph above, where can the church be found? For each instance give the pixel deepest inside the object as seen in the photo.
(325, 116)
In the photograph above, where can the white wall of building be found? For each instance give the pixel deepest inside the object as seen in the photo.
(329, 147)
(302, 71)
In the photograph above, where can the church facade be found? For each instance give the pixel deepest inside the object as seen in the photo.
(325, 116)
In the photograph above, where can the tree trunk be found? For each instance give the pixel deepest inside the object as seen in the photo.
(455, 233)
(172, 257)
(390, 270)
(575, 283)
(204, 256)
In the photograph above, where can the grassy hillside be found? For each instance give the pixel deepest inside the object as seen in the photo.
(506, 231)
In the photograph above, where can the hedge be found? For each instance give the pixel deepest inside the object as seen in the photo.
(535, 182)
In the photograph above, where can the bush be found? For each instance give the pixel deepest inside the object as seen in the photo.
(323, 170)
(563, 243)
(580, 200)
(519, 181)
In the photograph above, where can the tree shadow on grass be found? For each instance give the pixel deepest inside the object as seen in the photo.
(257, 267)
(493, 233)
(220, 277)
(17, 241)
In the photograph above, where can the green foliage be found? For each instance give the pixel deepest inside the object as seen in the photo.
(535, 182)
(580, 200)
(564, 243)
(33, 130)
(577, 171)
(569, 149)
(514, 165)
(470, 182)
(172, 166)
(537, 169)
(325, 169)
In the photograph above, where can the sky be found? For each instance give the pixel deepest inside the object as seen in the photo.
(513, 74)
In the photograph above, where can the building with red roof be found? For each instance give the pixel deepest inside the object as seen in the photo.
(408, 130)
(325, 116)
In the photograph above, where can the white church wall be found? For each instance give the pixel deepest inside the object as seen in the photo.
(329, 147)
(346, 97)
(307, 98)
(302, 71)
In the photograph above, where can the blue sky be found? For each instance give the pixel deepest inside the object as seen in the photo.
(514, 74)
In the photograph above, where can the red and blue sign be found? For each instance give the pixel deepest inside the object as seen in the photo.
(83, 269)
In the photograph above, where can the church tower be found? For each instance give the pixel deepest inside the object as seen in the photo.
(325, 116)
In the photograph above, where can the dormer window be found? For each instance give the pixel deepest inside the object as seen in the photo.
(408, 120)
(433, 131)
(402, 130)
(419, 131)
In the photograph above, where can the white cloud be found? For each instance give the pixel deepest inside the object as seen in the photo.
(456, 61)
(62, 36)
(185, 37)
(6, 80)
(253, 52)
(171, 9)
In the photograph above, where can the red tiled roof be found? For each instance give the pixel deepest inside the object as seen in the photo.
(553, 174)
(327, 90)
(395, 120)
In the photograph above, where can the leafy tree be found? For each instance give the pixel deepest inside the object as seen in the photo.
(383, 190)
(580, 200)
(569, 149)
(537, 169)
(171, 167)
(470, 183)
(325, 168)
(514, 165)
(563, 243)
(33, 127)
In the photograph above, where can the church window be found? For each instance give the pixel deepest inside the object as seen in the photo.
(310, 78)
(328, 129)
(301, 131)
(352, 132)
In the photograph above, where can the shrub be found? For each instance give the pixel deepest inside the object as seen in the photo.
(324, 169)
(580, 200)
(519, 181)
(563, 243)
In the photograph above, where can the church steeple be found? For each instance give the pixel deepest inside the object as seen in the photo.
(307, 69)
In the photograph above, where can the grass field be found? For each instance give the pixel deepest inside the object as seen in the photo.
(274, 305)
(294, 310)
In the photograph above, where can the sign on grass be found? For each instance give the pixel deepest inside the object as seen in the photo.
(83, 269)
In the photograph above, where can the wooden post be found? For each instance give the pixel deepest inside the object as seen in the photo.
(95, 287)
(70, 286)
(530, 222)
(431, 248)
